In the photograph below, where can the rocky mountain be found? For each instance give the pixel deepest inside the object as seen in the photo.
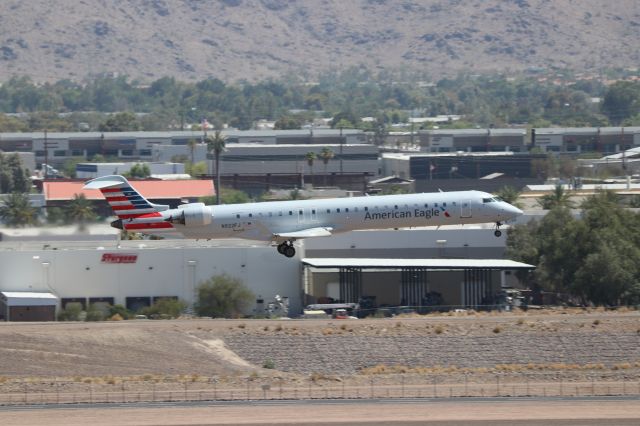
(254, 39)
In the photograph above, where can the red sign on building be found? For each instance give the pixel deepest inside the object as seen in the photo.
(119, 258)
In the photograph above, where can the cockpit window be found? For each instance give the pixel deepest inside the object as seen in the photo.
(498, 199)
(487, 200)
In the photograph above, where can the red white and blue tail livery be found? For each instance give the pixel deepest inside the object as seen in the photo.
(135, 213)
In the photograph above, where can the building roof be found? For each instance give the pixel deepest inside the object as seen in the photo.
(587, 130)
(27, 298)
(152, 189)
(390, 179)
(374, 263)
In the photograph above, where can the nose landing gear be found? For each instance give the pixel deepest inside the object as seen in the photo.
(286, 248)
(497, 232)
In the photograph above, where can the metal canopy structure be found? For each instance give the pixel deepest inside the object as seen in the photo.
(476, 286)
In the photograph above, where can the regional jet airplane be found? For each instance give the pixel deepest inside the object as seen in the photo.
(283, 222)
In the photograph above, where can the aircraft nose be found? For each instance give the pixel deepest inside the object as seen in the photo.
(513, 211)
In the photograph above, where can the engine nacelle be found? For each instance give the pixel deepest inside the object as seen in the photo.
(194, 214)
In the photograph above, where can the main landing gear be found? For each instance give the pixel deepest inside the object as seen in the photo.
(286, 248)
(497, 232)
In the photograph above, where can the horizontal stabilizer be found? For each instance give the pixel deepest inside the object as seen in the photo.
(306, 233)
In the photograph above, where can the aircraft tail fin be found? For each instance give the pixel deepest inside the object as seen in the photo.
(135, 213)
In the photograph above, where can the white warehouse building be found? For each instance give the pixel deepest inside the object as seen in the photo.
(136, 273)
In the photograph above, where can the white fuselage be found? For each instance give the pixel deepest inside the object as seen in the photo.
(262, 221)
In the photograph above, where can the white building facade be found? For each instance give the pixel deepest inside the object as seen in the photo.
(139, 272)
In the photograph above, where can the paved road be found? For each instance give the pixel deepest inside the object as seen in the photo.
(449, 412)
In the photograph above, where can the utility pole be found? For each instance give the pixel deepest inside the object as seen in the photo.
(46, 155)
(341, 145)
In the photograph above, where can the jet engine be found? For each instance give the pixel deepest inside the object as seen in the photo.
(193, 214)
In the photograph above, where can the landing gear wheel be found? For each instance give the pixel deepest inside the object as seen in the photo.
(497, 232)
(281, 248)
(289, 251)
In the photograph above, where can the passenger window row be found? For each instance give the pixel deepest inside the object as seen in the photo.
(366, 209)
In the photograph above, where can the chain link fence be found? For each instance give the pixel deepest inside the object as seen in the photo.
(90, 390)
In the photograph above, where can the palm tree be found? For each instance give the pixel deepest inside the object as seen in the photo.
(509, 194)
(311, 156)
(216, 144)
(15, 210)
(326, 154)
(558, 198)
(192, 143)
(79, 210)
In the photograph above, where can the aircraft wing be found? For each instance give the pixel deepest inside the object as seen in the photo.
(305, 233)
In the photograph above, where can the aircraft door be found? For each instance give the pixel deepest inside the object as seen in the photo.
(465, 209)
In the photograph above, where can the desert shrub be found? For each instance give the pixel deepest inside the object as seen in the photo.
(71, 313)
(223, 296)
(94, 314)
(269, 363)
(164, 308)
(119, 310)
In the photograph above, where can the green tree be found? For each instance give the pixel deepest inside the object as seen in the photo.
(139, 170)
(198, 169)
(622, 100)
(558, 198)
(11, 124)
(223, 296)
(215, 145)
(15, 210)
(609, 275)
(69, 167)
(310, 157)
(287, 122)
(120, 122)
(509, 194)
(79, 210)
(55, 215)
(345, 119)
(326, 154)
(595, 259)
(523, 246)
(13, 177)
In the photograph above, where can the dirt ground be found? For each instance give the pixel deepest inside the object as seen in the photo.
(461, 412)
(558, 347)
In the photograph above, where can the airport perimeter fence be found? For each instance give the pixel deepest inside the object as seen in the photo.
(30, 392)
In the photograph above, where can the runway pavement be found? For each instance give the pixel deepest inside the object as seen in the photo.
(441, 411)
